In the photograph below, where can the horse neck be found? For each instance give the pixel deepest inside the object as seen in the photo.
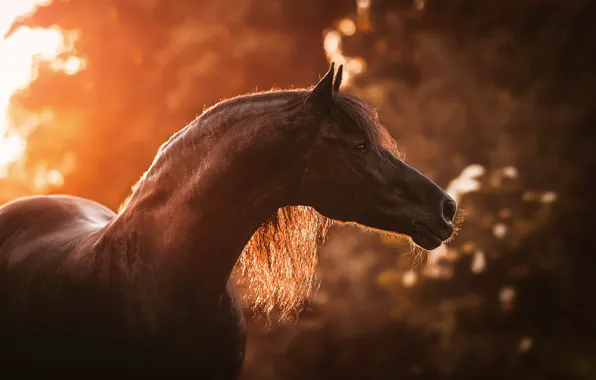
(204, 197)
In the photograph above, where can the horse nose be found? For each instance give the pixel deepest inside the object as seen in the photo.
(449, 209)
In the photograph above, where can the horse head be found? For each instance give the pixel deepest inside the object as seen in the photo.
(353, 172)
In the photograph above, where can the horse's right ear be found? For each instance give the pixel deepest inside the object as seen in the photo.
(321, 96)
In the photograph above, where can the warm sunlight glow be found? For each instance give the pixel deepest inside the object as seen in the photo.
(510, 172)
(70, 66)
(466, 182)
(347, 27)
(20, 54)
(507, 297)
(11, 148)
(525, 344)
(436, 263)
(363, 4)
(409, 279)
(478, 262)
(356, 65)
(500, 230)
(548, 197)
(332, 44)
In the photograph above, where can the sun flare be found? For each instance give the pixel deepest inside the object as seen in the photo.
(21, 52)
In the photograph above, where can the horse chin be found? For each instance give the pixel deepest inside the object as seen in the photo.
(422, 237)
(427, 241)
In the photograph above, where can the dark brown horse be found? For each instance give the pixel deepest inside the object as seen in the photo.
(255, 180)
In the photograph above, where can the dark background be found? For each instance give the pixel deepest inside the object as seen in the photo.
(507, 85)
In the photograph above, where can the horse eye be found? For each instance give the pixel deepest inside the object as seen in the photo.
(361, 147)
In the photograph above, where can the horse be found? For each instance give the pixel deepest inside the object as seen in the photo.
(254, 182)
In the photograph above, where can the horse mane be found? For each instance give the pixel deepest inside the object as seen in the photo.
(279, 262)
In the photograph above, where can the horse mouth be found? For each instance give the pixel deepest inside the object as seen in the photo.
(426, 238)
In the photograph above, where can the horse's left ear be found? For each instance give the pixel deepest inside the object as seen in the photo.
(338, 76)
(322, 95)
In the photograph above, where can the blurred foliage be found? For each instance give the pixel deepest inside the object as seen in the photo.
(508, 85)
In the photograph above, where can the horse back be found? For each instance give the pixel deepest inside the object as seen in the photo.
(43, 228)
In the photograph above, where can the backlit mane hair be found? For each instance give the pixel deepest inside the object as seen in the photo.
(279, 262)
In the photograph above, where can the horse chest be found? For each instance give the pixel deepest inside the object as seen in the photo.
(203, 337)
(209, 337)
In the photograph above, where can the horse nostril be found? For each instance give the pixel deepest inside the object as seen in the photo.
(449, 209)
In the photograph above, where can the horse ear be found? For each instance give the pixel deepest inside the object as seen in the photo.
(338, 76)
(322, 94)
